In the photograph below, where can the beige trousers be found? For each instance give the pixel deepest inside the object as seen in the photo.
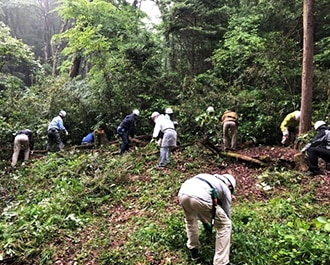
(229, 131)
(194, 209)
(21, 140)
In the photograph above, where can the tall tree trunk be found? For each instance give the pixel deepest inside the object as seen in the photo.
(307, 68)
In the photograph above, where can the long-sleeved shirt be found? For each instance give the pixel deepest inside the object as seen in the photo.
(229, 116)
(290, 120)
(89, 138)
(199, 189)
(29, 134)
(322, 139)
(162, 124)
(128, 123)
(57, 123)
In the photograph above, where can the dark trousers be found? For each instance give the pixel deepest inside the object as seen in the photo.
(313, 153)
(124, 136)
(54, 137)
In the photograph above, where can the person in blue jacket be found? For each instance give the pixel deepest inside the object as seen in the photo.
(88, 139)
(127, 128)
(53, 131)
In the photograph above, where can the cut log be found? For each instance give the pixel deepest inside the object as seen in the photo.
(300, 160)
(216, 150)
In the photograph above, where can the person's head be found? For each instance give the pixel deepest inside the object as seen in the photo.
(136, 112)
(319, 124)
(297, 115)
(154, 115)
(210, 109)
(62, 114)
(229, 180)
(168, 111)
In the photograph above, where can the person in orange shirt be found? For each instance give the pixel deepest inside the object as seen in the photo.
(229, 128)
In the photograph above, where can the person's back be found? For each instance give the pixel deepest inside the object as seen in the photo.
(229, 127)
(88, 139)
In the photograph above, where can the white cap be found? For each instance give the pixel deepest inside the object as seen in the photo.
(228, 179)
(297, 115)
(136, 112)
(154, 114)
(62, 113)
(318, 124)
(210, 109)
(169, 111)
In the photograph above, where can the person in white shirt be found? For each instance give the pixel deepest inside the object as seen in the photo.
(164, 127)
(208, 197)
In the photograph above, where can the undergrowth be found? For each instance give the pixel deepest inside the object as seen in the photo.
(97, 208)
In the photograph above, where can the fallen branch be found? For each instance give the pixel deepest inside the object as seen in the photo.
(216, 150)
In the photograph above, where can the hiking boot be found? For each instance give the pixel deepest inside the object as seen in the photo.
(160, 167)
(311, 173)
(194, 253)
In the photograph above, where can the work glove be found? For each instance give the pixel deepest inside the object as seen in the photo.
(285, 138)
(159, 142)
(207, 227)
(307, 146)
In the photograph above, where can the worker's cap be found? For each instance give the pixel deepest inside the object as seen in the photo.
(297, 115)
(136, 112)
(62, 113)
(210, 109)
(318, 124)
(168, 111)
(154, 114)
(228, 179)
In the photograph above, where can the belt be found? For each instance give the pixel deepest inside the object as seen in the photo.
(168, 129)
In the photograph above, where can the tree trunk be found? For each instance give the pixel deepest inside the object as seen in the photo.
(307, 68)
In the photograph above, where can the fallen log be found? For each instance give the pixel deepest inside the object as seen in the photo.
(216, 150)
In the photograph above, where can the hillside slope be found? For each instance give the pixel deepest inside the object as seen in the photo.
(92, 207)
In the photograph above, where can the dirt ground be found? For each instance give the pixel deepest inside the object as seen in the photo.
(281, 156)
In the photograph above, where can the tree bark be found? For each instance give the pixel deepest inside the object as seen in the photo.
(307, 68)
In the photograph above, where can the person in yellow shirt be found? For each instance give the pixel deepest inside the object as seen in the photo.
(290, 126)
(229, 127)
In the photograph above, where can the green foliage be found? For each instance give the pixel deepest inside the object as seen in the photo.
(111, 210)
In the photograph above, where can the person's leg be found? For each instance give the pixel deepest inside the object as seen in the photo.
(312, 159)
(162, 156)
(188, 204)
(169, 141)
(124, 146)
(17, 149)
(58, 140)
(26, 145)
(233, 132)
(225, 131)
(50, 139)
(223, 237)
(313, 153)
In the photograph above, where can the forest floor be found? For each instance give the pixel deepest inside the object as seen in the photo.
(276, 155)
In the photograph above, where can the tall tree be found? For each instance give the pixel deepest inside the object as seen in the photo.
(307, 68)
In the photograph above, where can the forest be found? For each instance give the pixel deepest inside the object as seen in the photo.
(100, 59)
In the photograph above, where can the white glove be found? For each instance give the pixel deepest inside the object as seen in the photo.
(159, 142)
(285, 138)
(307, 146)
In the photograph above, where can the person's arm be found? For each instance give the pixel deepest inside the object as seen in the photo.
(61, 125)
(156, 131)
(317, 140)
(132, 127)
